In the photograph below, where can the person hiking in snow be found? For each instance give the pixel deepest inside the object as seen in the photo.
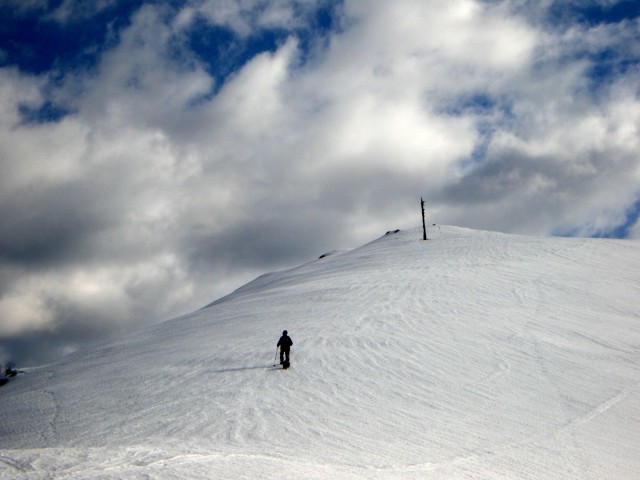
(284, 343)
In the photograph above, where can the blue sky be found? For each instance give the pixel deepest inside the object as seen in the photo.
(156, 155)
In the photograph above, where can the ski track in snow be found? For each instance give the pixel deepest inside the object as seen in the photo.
(472, 355)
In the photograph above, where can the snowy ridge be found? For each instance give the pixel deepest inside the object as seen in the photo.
(472, 355)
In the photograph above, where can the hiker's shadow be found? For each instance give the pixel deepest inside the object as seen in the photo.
(241, 369)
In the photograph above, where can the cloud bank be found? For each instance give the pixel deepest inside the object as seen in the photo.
(181, 151)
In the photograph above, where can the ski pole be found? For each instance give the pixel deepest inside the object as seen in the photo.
(275, 356)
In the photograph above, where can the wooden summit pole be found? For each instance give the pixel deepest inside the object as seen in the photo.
(424, 226)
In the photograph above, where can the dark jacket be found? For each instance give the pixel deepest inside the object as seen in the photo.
(285, 343)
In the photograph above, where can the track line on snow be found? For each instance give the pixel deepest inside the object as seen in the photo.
(51, 431)
(597, 410)
(14, 464)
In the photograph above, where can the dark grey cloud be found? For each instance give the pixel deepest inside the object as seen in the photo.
(52, 225)
(511, 185)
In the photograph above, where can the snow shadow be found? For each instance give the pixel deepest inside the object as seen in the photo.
(240, 369)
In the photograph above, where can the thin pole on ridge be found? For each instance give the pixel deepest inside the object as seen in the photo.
(424, 227)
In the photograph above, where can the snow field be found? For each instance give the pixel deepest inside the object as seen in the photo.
(472, 355)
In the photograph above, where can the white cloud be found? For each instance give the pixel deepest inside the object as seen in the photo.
(79, 9)
(65, 11)
(142, 80)
(245, 16)
(23, 311)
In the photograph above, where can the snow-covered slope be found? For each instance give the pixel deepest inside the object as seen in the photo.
(472, 355)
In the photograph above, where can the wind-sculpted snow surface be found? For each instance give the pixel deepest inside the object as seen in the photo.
(472, 355)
